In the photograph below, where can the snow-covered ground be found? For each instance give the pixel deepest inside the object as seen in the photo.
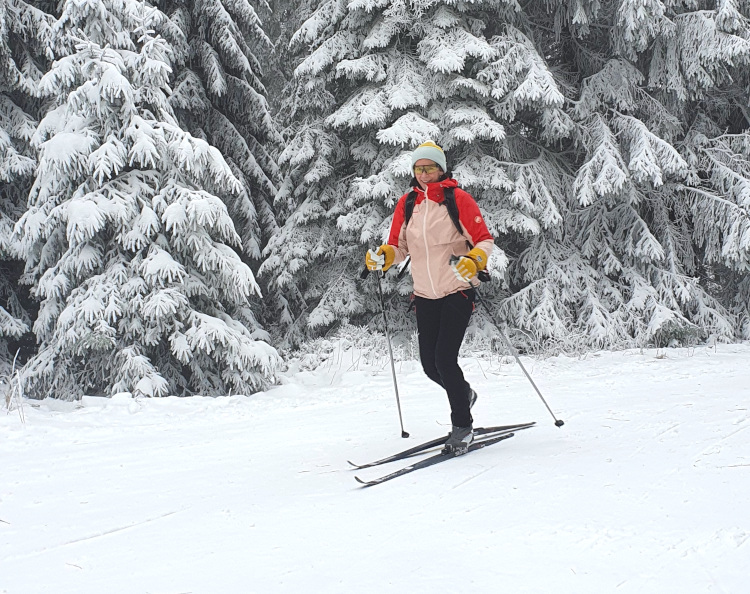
(645, 489)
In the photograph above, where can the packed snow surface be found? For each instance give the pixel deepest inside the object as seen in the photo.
(646, 488)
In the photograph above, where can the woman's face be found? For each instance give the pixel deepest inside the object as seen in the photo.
(430, 176)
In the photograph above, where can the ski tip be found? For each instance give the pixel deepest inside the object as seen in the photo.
(353, 464)
(363, 483)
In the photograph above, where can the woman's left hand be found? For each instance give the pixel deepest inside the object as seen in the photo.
(466, 267)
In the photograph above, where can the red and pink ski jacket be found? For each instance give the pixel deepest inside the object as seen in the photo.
(431, 238)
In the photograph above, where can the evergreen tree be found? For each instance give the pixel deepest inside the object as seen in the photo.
(648, 73)
(218, 96)
(25, 46)
(302, 262)
(127, 243)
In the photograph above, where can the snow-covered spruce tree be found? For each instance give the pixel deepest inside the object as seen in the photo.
(648, 73)
(712, 84)
(295, 109)
(218, 96)
(25, 47)
(380, 78)
(127, 242)
(297, 258)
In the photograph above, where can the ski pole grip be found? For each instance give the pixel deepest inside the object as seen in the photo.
(404, 266)
(364, 273)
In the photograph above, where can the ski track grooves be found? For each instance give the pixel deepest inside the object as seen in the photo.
(95, 536)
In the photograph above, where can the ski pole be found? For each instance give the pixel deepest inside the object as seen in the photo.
(513, 351)
(364, 274)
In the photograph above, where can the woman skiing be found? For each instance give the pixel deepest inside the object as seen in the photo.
(444, 266)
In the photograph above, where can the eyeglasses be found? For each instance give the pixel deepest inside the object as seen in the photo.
(425, 169)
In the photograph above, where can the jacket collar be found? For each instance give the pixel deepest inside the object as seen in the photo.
(434, 191)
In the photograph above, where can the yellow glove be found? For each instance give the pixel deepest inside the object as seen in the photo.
(466, 267)
(380, 259)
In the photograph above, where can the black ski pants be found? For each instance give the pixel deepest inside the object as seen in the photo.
(441, 324)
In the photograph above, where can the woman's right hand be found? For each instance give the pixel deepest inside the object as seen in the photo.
(380, 259)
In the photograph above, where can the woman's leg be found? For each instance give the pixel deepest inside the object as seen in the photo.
(455, 316)
(441, 324)
(428, 330)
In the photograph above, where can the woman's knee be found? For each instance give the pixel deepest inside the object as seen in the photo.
(435, 376)
(431, 370)
(446, 361)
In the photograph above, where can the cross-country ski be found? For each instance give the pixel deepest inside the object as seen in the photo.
(432, 460)
(438, 442)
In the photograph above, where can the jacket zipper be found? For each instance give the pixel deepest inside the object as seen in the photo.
(426, 247)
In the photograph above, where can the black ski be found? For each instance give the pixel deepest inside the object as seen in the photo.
(438, 442)
(432, 460)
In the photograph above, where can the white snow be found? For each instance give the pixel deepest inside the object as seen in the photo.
(645, 489)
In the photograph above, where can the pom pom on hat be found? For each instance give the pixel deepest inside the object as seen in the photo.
(429, 150)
